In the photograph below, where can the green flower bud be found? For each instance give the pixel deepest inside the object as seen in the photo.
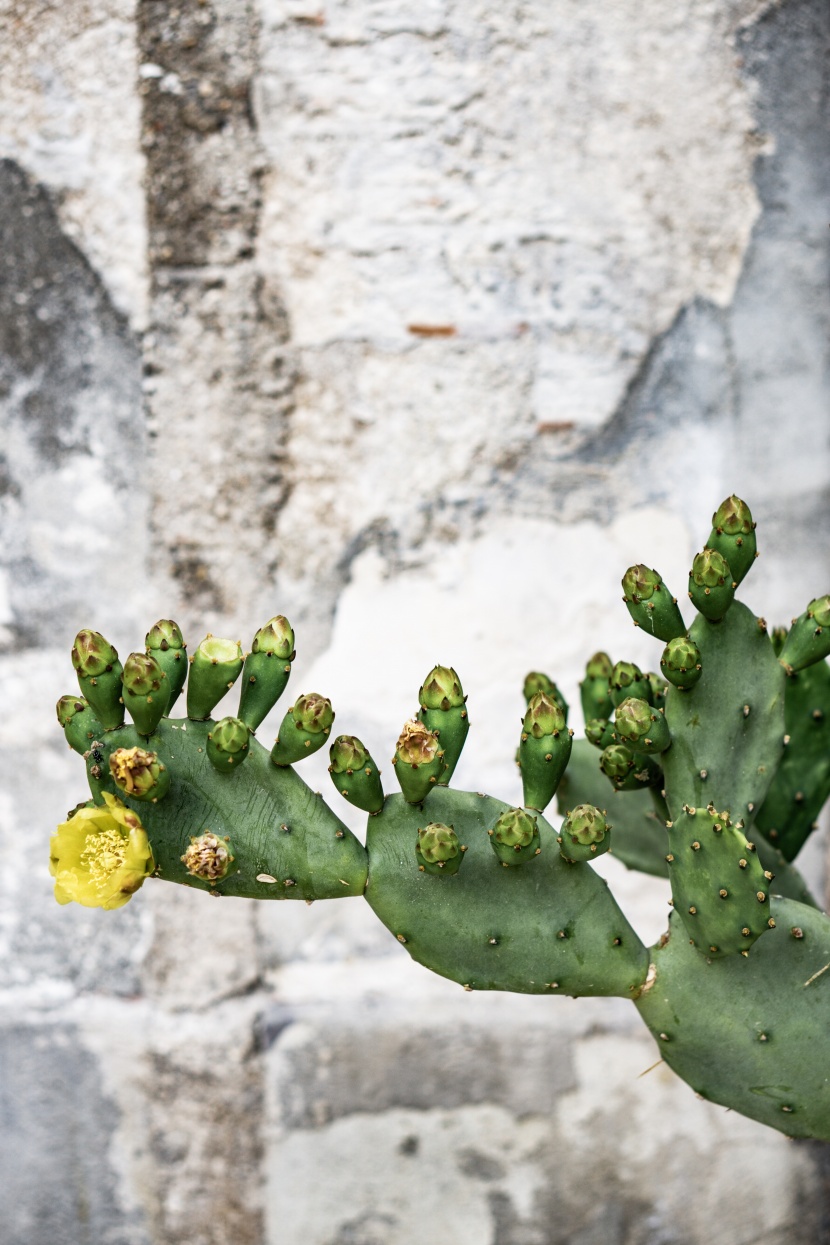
(599, 732)
(144, 691)
(276, 638)
(441, 689)
(680, 662)
(641, 727)
(808, 640)
(437, 849)
(537, 682)
(80, 725)
(99, 676)
(593, 690)
(628, 680)
(733, 536)
(227, 745)
(659, 688)
(304, 729)
(355, 774)
(626, 771)
(214, 668)
(711, 585)
(515, 837)
(266, 671)
(650, 603)
(139, 774)
(208, 857)
(543, 717)
(443, 711)
(418, 761)
(165, 642)
(585, 834)
(778, 635)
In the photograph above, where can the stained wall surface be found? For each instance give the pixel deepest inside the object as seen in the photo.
(418, 324)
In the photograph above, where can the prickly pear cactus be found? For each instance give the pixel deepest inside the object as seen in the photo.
(712, 775)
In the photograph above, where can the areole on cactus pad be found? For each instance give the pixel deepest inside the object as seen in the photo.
(712, 776)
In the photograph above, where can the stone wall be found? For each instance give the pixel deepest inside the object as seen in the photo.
(417, 323)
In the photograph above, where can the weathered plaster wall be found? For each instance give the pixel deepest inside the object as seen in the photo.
(419, 324)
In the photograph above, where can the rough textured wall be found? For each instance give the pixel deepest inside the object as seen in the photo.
(419, 324)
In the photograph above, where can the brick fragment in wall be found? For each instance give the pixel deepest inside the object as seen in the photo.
(72, 492)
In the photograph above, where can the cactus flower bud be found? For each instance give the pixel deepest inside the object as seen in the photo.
(99, 676)
(355, 774)
(641, 727)
(808, 640)
(544, 750)
(139, 774)
(711, 585)
(266, 671)
(680, 662)
(214, 668)
(165, 642)
(80, 725)
(303, 730)
(418, 761)
(599, 732)
(629, 680)
(227, 745)
(535, 682)
(100, 856)
(144, 691)
(593, 690)
(515, 837)
(650, 603)
(444, 711)
(626, 771)
(437, 849)
(208, 857)
(733, 536)
(585, 834)
(659, 688)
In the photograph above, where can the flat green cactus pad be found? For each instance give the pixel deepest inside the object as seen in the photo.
(728, 730)
(750, 1032)
(544, 927)
(286, 842)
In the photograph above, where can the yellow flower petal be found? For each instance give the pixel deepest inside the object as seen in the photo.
(101, 856)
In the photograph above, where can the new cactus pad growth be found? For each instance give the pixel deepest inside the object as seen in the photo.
(713, 779)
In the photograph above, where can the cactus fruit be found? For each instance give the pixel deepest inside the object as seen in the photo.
(418, 761)
(145, 692)
(304, 729)
(227, 744)
(650, 603)
(641, 727)
(585, 834)
(99, 675)
(515, 837)
(733, 536)
(214, 668)
(266, 670)
(808, 640)
(594, 692)
(165, 642)
(680, 663)
(543, 751)
(711, 586)
(444, 711)
(438, 850)
(628, 680)
(355, 774)
(716, 779)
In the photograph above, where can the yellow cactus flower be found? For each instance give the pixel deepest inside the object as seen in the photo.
(100, 856)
